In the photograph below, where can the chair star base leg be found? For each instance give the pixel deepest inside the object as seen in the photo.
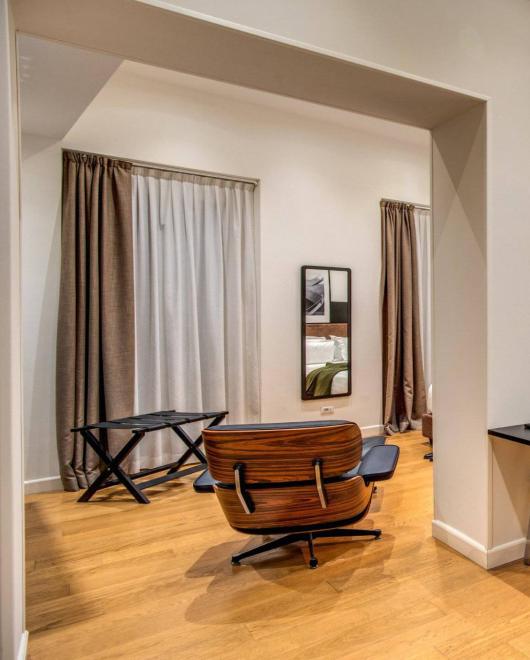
(308, 537)
(313, 561)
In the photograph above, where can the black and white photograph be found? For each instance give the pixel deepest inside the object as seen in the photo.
(317, 303)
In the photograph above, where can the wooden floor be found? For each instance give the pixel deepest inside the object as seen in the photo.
(114, 579)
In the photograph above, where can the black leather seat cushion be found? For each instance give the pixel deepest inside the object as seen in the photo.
(372, 441)
(278, 425)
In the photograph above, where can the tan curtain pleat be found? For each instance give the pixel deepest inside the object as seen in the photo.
(404, 397)
(95, 337)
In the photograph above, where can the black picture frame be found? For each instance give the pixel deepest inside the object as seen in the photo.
(303, 334)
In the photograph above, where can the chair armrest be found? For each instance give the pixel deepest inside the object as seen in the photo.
(204, 483)
(379, 463)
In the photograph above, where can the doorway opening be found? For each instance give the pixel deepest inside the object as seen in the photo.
(459, 201)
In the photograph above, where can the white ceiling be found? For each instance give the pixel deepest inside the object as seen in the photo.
(57, 82)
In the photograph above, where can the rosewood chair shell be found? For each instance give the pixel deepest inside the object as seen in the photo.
(303, 479)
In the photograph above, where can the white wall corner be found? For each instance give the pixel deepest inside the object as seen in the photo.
(460, 542)
(487, 558)
(506, 553)
(11, 444)
(23, 646)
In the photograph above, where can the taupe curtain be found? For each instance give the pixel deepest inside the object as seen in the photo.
(95, 338)
(404, 398)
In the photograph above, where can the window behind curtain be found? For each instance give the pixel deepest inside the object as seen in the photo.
(196, 299)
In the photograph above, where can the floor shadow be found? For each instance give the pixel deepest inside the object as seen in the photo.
(516, 575)
(48, 583)
(247, 593)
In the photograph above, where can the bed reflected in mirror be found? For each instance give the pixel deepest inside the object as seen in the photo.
(326, 332)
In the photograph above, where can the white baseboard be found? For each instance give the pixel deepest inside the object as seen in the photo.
(23, 646)
(465, 545)
(506, 552)
(44, 485)
(460, 542)
(376, 429)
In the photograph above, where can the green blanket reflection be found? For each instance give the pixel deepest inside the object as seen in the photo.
(319, 381)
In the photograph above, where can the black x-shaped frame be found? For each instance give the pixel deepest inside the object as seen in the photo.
(139, 425)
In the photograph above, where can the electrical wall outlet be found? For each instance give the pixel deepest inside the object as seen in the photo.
(327, 410)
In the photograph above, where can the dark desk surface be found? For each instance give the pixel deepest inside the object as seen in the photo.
(516, 433)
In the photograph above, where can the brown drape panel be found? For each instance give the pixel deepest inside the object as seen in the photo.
(404, 399)
(95, 337)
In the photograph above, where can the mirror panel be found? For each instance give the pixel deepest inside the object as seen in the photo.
(326, 332)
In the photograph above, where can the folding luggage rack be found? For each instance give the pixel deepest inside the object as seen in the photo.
(139, 425)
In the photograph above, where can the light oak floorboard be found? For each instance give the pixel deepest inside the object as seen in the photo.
(114, 579)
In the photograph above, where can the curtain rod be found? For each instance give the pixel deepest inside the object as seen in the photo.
(400, 201)
(171, 168)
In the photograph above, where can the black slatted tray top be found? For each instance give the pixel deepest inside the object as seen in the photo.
(155, 421)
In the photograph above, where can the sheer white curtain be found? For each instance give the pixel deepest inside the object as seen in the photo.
(195, 267)
(423, 224)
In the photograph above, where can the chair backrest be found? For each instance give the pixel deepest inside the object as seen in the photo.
(292, 475)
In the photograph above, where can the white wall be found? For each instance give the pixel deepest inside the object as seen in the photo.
(12, 635)
(41, 236)
(322, 174)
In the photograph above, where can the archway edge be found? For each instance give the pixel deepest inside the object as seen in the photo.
(179, 40)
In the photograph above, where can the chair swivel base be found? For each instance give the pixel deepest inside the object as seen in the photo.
(429, 455)
(303, 536)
